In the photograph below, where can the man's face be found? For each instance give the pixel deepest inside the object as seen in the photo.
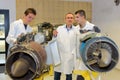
(29, 17)
(69, 19)
(78, 18)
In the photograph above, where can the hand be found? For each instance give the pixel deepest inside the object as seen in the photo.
(55, 33)
(15, 42)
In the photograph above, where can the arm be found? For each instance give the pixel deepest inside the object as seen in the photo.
(55, 33)
(96, 29)
(11, 35)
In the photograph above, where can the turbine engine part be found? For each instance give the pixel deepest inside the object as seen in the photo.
(26, 61)
(99, 53)
(46, 30)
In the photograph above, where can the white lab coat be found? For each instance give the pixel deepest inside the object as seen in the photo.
(88, 26)
(16, 29)
(67, 49)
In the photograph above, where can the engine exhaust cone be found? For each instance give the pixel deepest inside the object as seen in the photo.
(19, 68)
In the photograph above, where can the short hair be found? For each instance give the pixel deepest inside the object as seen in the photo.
(69, 13)
(30, 10)
(81, 12)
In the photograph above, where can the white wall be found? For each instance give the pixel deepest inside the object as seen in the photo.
(106, 15)
(11, 5)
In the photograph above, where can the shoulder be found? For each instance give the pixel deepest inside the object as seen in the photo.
(17, 22)
(89, 26)
(61, 27)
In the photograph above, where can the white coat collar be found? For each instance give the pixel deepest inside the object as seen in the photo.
(66, 26)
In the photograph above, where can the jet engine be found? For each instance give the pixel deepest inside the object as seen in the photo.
(26, 61)
(99, 53)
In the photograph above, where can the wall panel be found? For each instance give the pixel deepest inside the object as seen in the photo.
(52, 11)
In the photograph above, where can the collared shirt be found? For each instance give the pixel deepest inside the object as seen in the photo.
(68, 28)
(25, 25)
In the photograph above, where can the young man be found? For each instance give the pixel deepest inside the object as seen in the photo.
(83, 26)
(20, 26)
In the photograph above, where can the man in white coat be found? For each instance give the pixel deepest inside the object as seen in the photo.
(20, 26)
(83, 27)
(66, 39)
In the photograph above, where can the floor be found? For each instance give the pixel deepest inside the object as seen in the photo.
(112, 75)
(6, 77)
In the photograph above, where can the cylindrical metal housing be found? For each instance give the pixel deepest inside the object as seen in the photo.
(99, 54)
(26, 62)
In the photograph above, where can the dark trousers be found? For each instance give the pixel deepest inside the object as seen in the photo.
(80, 77)
(57, 76)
